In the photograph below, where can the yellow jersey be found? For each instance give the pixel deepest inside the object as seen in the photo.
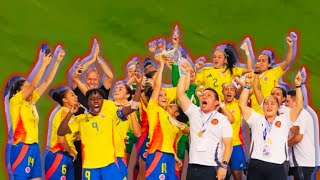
(70, 137)
(162, 133)
(210, 77)
(96, 134)
(120, 135)
(268, 80)
(234, 109)
(24, 118)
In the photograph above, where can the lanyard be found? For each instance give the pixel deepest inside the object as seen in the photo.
(267, 130)
(205, 124)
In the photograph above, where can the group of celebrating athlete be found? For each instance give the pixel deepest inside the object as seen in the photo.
(222, 117)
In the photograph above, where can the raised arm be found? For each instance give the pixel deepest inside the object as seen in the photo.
(295, 111)
(226, 112)
(257, 88)
(109, 75)
(245, 47)
(183, 99)
(304, 88)
(243, 100)
(42, 88)
(136, 97)
(288, 58)
(64, 127)
(35, 81)
(157, 82)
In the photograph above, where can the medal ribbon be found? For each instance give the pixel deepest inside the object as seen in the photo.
(267, 130)
(205, 124)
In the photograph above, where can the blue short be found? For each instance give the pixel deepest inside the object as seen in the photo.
(104, 173)
(59, 165)
(25, 161)
(123, 167)
(160, 165)
(142, 146)
(237, 160)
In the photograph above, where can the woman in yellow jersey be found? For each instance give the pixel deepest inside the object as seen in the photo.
(163, 132)
(121, 98)
(268, 75)
(25, 153)
(224, 68)
(237, 161)
(62, 152)
(96, 132)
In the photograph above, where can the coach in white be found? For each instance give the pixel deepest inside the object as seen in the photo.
(268, 151)
(302, 145)
(210, 132)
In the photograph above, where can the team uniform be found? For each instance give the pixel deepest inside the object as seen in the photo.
(269, 149)
(143, 141)
(58, 163)
(98, 155)
(302, 155)
(206, 149)
(120, 142)
(24, 153)
(163, 135)
(237, 160)
(83, 100)
(268, 80)
(210, 77)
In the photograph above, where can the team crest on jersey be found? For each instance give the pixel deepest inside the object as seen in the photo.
(278, 124)
(162, 177)
(102, 115)
(265, 78)
(27, 169)
(214, 121)
(145, 154)
(63, 178)
(209, 76)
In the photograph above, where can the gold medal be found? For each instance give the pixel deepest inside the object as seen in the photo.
(200, 133)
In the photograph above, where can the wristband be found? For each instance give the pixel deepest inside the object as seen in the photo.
(298, 86)
(246, 86)
(121, 115)
(183, 73)
(222, 105)
(224, 167)
(134, 105)
(247, 52)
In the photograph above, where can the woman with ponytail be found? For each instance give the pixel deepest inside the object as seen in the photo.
(61, 150)
(24, 152)
(223, 69)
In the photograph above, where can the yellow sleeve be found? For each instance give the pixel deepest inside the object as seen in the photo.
(278, 72)
(35, 96)
(237, 71)
(153, 116)
(110, 108)
(16, 99)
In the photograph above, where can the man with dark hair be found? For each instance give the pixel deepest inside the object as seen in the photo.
(302, 150)
(210, 132)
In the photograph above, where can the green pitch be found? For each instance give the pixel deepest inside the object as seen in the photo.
(124, 27)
